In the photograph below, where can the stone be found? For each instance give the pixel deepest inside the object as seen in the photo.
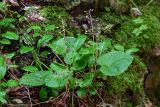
(17, 101)
(135, 12)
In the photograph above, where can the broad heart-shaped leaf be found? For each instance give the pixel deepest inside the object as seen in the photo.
(3, 67)
(11, 35)
(79, 42)
(58, 79)
(114, 63)
(35, 79)
(44, 39)
(30, 69)
(25, 49)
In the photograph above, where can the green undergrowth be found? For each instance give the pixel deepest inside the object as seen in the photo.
(130, 80)
(64, 60)
(141, 32)
(60, 18)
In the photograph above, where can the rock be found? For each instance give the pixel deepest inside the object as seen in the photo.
(135, 12)
(13, 2)
(17, 101)
(1, 16)
(104, 104)
(156, 52)
(152, 81)
(116, 5)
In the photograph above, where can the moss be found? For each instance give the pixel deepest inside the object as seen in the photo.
(147, 38)
(55, 14)
(130, 80)
(60, 18)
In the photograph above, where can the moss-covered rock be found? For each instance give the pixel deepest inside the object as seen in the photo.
(142, 32)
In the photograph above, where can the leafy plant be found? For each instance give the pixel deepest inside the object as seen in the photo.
(2, 97)
(78, 55)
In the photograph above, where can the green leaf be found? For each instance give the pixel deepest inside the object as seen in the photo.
(3, 71)
(119, 47)
(36, 35)
(72, 83)
(43, 94)
(70, 57)
(44, 53)
(79, 64)
(58, 46)
(92, 91)
(3, 84)
(5, 42)
(11, 35)
(58, 79)
(2, 5)
(35, 28)
(79, 42)
(6, 22)
(2, 97)
(3, 101)
(35, 78)
(88, 78)
(50, 28)
(12, 83)
(91, 61)
(3, 67)
(55, 81)
(104, 46)
(30, 69)
(25, 49)
(114, 63)
(44, 39)
(57, 67)
(10, 55)
(132, 50)
(81, 93)
(70, 43)
(2, 93)
(62, 45)
(87, 51)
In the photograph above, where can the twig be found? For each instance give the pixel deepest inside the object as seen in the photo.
(29, 97)
(100, 96)
(149, 2)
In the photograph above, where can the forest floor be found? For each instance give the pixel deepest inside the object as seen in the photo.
(52, 57)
